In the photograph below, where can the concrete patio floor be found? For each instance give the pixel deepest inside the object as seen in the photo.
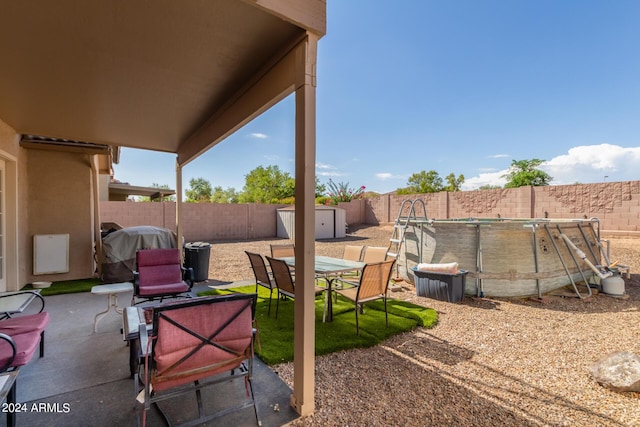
(84, 380)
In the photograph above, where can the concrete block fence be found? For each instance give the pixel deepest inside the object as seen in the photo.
(616, 204)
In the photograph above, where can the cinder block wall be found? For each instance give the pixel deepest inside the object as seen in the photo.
(615, 204)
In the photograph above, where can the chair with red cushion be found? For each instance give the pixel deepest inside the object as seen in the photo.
(195, 344)
(160, 275)
(25, 324)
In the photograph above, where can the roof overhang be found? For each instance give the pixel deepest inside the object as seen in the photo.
(127, 190)
(164, 75)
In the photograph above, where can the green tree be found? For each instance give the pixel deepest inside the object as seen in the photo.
(224, 196)
(267, 185)
(526, 172)
(321, 189)
(453, 183)
(199, 191)
(423, 182)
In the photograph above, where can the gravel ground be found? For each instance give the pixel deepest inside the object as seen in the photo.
(490, 362)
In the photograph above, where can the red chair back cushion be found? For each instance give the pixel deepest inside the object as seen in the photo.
(159, 266)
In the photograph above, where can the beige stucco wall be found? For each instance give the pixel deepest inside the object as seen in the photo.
(10, 154)
(60, 202)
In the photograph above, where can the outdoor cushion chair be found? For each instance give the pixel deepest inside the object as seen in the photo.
(26, 323)
(373, 285)
(160, 275)
(283, 250)
(374, 254)
(262, 275)
(17, 350)
(198, 343)
(284, 281)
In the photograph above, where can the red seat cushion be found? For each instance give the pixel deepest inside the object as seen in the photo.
(26, 345)
(27, 323)
(163, 289)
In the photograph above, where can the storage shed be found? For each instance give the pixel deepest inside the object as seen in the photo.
(331, 222)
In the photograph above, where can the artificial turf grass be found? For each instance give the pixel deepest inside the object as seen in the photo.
(276, 335)
(66, 287)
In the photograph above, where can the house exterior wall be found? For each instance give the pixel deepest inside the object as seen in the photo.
(13, 199)
(46, 192)
(60, 202)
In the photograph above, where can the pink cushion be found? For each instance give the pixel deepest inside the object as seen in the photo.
(173, 343)
(151, 257)
(27, 323)
(163, 289)
(26, 345)
(159, 272)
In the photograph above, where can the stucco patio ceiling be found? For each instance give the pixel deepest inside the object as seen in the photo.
(147, 74)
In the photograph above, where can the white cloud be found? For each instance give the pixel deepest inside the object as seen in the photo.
(330, 173)
(498, 156)
(324, 166)
(259, 135)
(591, 163)
(489, 178)
(384, 176)
(584, 164)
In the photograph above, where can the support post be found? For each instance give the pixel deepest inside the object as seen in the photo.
(179, 231)
(303, 396)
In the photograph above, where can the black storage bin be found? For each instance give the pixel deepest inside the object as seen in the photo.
(196, 256)
(441, 286)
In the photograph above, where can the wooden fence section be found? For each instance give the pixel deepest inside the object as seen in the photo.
(615, 204)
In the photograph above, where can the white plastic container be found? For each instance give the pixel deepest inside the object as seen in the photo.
(613, 285)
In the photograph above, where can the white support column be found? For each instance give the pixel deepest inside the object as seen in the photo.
(303, 396)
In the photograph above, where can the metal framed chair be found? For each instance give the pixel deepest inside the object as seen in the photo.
(283, 250)
(15, 323)
(373, 254)
(284, 281)
(198, 343)
(160, 275)
(373, 285)
(353, 252)
(262, 275)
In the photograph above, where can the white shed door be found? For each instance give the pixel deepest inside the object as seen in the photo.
(324, 224)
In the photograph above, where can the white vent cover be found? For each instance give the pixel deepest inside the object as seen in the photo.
(50, 253)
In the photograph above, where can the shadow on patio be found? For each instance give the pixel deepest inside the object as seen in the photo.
(84, 380)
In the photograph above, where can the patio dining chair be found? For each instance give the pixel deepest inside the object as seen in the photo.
(262, 275)
(284, 281)
(160, 275)
(374, 254)
(373, 285)
(283, 250)
(194, 344)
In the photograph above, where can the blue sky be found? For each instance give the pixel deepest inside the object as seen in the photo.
(455, 86)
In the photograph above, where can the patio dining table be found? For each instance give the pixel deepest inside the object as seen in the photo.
(330, 268)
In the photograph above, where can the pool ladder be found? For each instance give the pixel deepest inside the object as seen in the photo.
(400, 227)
